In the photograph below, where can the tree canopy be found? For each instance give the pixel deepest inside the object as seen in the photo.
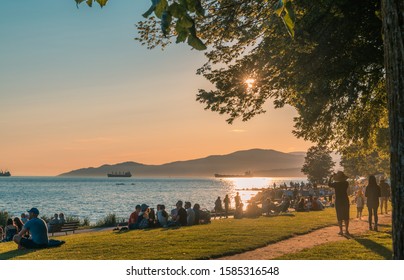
(331, 71)
(318, 164)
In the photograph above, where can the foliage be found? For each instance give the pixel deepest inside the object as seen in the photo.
(3, 218)
(358, 161)
(318, 164)
(109, 221)
(86, 222)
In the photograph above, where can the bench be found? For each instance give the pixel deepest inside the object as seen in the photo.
(66, 227)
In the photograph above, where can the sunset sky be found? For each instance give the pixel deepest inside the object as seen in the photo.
(76, 90)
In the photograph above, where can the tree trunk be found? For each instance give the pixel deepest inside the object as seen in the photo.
(393, 31)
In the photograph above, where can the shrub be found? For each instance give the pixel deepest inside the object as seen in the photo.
(86, 222)
(3, 218)
(108, 221)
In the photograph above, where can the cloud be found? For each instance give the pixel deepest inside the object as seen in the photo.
(238, 130)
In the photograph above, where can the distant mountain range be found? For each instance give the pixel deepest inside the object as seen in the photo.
(259, 161)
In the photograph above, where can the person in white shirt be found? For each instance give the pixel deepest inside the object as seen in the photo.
(190, 214)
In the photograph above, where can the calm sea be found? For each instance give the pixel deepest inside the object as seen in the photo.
(94, 198)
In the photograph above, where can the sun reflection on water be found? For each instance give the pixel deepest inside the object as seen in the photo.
(249, 187)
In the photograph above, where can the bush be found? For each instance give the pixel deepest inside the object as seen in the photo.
(70, 219)
(108, 221)
(3, 218)
(86, 222)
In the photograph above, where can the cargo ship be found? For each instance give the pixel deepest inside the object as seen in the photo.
(120, 174)
(247, 174)
(5, 173)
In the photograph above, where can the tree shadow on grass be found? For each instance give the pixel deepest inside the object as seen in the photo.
(15, 253)
(379, 249)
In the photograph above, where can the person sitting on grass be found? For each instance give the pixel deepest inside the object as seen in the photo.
(284, 205)
(301, 206)
(316, 205)
(190, 214)
(143, 219)
(181, 218)
(10, 230)
(133, 217)
(38, 229)
(162, 215)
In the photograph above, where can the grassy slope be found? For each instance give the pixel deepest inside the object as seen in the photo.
(221, 237)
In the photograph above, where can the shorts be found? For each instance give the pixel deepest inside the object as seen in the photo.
(29, 244)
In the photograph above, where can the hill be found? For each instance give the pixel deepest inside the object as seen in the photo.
(259, 161)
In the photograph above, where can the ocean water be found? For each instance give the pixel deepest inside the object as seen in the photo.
(95, 198)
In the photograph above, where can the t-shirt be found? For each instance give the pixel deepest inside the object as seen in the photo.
(38, 229)
(133, 218)
(161, 218)
(190, 217)
(183, 216)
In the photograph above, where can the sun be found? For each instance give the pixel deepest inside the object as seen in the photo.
(249, 82)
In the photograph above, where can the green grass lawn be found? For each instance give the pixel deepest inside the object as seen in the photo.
(369, 246)
(221, 237)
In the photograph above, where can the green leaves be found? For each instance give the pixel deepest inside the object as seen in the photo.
(181, 14)
(102, 3)
(284, 9)
(151, 9)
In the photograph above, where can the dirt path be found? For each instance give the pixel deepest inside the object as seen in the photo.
(300, 242)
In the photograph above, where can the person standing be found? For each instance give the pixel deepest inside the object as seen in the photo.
(38, 229)
(360, 203)
(341, 199)
(218, 207)
(385, 192)
(373, 193)
(226, 201)
(237, 200)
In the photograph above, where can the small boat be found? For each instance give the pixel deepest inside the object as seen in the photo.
(247, 174)
(5, 173)
(120, 174)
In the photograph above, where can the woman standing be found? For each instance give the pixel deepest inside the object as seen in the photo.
(341, 199)
(373, 193)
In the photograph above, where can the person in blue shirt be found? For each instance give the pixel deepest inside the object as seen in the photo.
(38, 230)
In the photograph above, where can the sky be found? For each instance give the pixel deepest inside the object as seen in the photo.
(76, 90)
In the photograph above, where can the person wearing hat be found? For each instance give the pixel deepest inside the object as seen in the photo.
(385, 192)
(38, 229)
(341, 185)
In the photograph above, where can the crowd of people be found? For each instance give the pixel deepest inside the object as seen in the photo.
(182, 215)
(31, 232)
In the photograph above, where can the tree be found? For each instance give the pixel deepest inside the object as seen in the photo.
(393, 31)
(331, 70)
(318, 164)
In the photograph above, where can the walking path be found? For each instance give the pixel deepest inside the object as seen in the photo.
(300, 242)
